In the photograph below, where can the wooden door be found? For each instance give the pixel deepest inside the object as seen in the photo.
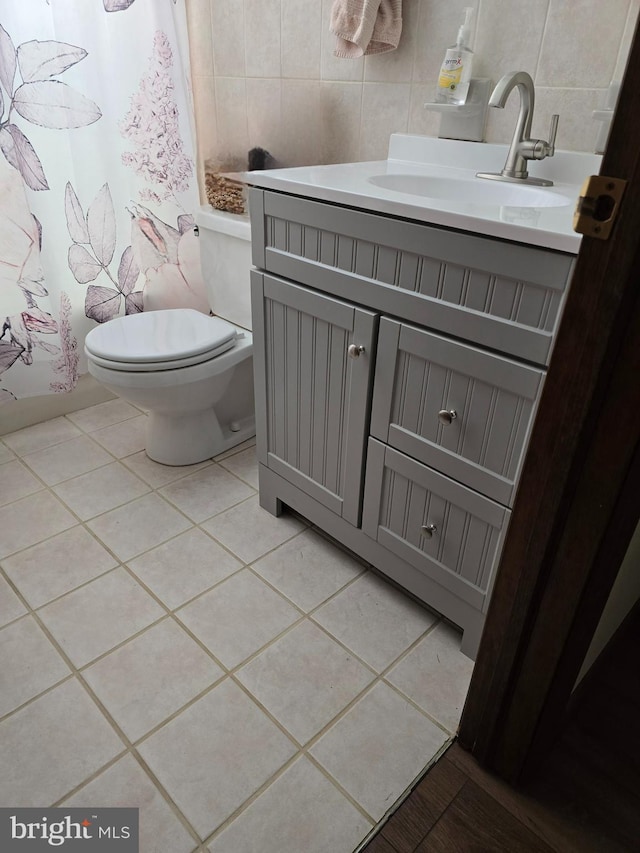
(578, 501)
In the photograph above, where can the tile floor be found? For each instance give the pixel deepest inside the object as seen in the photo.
(167, 644)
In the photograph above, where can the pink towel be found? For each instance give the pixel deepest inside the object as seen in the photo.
(365, 26)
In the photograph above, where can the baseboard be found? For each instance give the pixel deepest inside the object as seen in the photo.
(33, 410)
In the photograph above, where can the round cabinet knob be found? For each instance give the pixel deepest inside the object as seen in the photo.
(446, 417)
(428, 530)
(354, 350)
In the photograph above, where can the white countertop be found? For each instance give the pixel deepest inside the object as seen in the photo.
(425, 157)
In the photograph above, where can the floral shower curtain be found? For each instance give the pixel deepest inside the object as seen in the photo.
(97, 178)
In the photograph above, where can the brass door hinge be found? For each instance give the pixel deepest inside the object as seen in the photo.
(597, 206)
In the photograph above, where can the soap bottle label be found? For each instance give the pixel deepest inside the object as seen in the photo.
(455, 73)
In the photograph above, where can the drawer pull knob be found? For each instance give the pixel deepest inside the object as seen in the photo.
(446, 417)
(355, 350)
(428, 530)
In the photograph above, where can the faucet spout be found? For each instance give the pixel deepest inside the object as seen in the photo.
(516, 165)
(522, 147)
(524, 83)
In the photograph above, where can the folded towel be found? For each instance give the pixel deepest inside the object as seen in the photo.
(365, 26)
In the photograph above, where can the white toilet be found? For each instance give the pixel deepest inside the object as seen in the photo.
(192, 372)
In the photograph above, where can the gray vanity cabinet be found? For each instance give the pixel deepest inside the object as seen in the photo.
(397, 370)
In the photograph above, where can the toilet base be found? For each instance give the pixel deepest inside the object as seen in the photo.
(186, 440)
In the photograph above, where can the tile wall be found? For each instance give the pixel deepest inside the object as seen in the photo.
(264, 73)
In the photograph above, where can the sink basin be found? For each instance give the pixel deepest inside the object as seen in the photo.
(471, 191)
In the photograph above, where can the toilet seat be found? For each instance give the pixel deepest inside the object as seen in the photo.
(159, 340)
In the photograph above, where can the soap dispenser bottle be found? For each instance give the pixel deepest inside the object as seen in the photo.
(455, 71)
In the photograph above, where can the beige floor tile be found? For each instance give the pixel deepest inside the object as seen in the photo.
(17, 482)
(184, 567)
(31, 520)
(36, 437)
(99, 491)
(300, 811)
(93, 619)
(53, 744)
(29, 664)
(238, 617)
(243, 465)
(304, 679)
(436, 675)
(10, 605)
(308, 569)
(152, 676)
(250, 531)
(250, 442)
(68, 459)
(375, 620)
(62, 563)
(138, 526)
(157, 475)
(207, 492)
(215, 755)
(103, 415)
(378, 748)
(125, 438)
(126, 785)
(6, 455)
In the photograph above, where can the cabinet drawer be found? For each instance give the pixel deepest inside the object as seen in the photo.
(403, 499)
(422, 377)
(501, 295)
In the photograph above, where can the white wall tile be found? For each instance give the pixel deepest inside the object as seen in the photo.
(577, 130)
(262, 38)
(200, 37)
(503, 43)
(264, 114)
(231, 109)
(580, 44)
(385, 110)
(227, 28)
(340, 108)
(300, 122)
(625, 44)
(301, 38)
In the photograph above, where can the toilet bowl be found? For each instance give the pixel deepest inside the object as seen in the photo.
(191, 371)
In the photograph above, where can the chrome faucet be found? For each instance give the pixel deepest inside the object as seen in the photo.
(522, 147)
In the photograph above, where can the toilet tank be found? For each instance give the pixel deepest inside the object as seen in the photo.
(225, 250)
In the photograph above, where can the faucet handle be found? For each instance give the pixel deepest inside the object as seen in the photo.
(551, 144)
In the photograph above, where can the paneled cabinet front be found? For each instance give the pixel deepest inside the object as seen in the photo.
(314, 355)
(397, 370)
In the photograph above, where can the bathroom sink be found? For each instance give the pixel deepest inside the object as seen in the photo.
(470, 191)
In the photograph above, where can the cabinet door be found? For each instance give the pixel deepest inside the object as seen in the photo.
(312, 396)
(450, 533)
(461, 410)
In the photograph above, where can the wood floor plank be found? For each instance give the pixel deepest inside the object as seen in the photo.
(476, 823)
(422, 809)
(379, 844)
(555, 830)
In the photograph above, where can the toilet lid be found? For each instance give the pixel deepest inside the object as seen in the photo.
(168, 337)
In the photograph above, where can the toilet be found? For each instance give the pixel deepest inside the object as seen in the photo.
(192, 372)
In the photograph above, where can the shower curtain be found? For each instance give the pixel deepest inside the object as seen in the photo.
(97, 178)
